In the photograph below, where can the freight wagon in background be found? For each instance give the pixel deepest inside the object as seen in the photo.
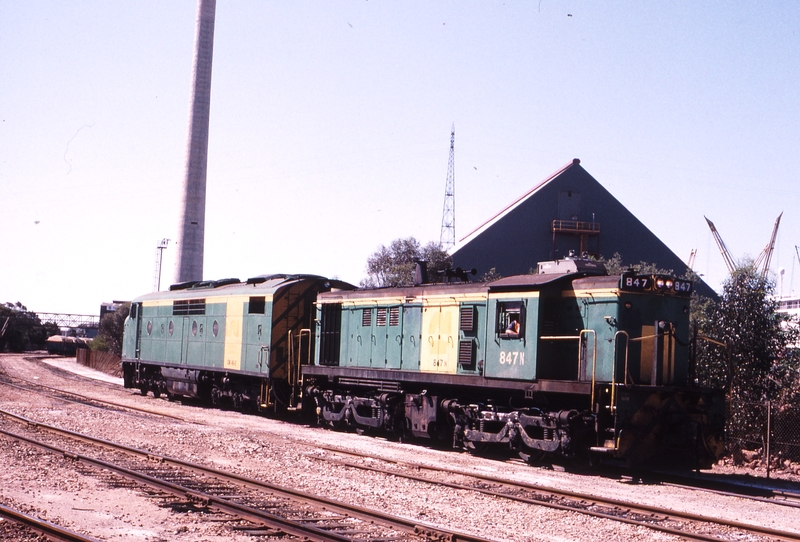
(566, 362)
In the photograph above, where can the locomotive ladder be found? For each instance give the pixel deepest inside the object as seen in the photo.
(294, 376)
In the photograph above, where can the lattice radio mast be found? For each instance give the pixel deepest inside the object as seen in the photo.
(447, 239)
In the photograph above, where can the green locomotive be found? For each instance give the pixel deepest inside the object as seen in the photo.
(224, 341)
(568, 361)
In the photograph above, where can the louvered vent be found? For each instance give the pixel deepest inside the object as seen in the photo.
(366, 317)
(466, 353)
(394, 316)
(467, 318)
(381, 318)
(189, 306)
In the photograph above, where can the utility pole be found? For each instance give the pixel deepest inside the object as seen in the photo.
(159, 256)
(447, 238)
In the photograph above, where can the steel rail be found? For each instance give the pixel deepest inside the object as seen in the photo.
(51, 530)
(667, 514)
(241, 511)
(765, 495)
(93, 399)
(365, 514)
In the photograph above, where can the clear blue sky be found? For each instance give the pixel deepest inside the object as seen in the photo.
(330, 130)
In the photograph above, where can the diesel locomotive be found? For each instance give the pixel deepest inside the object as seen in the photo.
(565, 362)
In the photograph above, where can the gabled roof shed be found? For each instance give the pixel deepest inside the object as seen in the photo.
(568, 213)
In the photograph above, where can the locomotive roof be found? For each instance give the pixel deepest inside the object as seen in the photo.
(596, 281)
(518, 283)
(259, 285)
(532, 282)
(423, 290)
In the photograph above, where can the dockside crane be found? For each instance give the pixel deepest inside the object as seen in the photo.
(726, 254)
(761, 262)
(765, 257)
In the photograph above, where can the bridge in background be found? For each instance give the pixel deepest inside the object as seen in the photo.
(70, 320)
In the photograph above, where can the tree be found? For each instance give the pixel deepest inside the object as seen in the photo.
(757, 363)
(491, 275)
(21, 330)
(699, 306)
(394, 265)
(615, 266)
(112, 326)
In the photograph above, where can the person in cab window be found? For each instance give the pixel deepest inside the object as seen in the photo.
(513, 325)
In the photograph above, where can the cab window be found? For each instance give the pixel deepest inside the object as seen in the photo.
(511, 319)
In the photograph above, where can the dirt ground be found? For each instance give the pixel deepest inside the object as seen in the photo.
(56, 489)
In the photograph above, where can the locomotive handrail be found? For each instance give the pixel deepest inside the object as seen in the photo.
(294, 359)
(619, 333)
(643, 337)
(625, 373)
(594, 360)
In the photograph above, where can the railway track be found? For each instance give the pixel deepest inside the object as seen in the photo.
(664, 520)
(715, 485)
(743, 490)
(685, 525)
(24, 524)
(271, 510)
(77, 398)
